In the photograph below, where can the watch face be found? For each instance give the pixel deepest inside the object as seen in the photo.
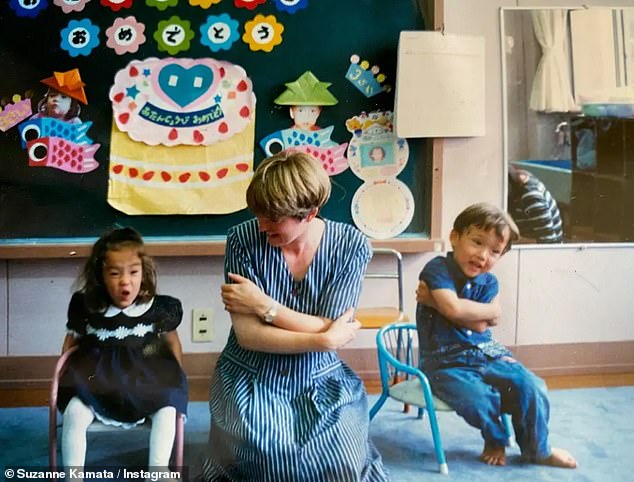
(270, 314)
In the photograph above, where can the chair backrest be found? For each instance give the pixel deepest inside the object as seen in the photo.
(397, 345)
(395, 273)
(378, 316)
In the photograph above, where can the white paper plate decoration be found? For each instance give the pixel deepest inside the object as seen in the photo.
(383, 208)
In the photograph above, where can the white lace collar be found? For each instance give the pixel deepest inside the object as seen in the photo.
(133, 310)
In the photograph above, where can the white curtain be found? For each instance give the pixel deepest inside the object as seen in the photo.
(552, 90)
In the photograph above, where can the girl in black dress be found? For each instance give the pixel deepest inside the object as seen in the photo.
(128, 362)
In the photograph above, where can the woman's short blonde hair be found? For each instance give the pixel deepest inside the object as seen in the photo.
(288, 184)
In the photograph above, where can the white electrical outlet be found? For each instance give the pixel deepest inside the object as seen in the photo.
(202, 325)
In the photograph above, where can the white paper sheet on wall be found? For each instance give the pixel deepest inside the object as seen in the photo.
(439, 85)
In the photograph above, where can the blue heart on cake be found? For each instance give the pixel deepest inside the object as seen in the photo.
(185, 85)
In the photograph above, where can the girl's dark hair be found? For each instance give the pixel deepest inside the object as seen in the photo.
(91, 281)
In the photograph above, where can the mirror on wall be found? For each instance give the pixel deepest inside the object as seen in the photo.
(568, 83)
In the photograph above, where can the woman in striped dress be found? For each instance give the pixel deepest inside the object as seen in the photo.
(283, 406)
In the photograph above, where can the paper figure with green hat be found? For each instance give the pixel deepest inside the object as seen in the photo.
(306, 96)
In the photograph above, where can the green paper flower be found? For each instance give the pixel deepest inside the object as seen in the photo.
(174, 35)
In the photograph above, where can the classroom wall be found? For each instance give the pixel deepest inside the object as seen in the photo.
(550, 295)
(560, 294)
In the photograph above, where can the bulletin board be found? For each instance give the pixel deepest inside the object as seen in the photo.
(43, 206)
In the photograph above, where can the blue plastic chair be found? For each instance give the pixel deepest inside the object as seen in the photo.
(402, 380)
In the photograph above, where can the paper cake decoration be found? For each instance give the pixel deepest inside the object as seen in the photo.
(182, 137)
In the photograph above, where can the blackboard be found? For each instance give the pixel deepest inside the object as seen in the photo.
(47, 205)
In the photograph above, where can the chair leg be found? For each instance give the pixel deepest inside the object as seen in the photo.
(52, 438)
(377, 405)
(443, 468)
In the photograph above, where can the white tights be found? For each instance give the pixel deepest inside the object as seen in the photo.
(78, 416)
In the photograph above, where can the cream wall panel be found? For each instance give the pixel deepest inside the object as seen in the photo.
(38, 296)
(473, 167)
(506, 271)
(196, 282)
(575, 295)
(3, 309)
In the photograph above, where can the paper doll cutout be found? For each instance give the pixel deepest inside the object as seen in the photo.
(369, 82)
(174, 35)
(69, 6)
(62, 99)
(262, 33)
(219, 32)
(80, 37)
(55, 136)
(374, 150)
(305, 97)
(125, 35)
(383, 206)
(28, 8)
(182, 137)
(14, 112)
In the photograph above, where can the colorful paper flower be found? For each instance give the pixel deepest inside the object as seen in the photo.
(248, 4)
(68, 6)
(161, 4)
(263, 33)
(116, 5)
(174, 35)
(203, 3)
(31, 9)
(125, 35)
(219, 32)
(80, 37)
(290, 6)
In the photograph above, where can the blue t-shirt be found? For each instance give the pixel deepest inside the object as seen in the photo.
(436, 333)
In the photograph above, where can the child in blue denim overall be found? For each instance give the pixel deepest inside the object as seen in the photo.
(477, 376)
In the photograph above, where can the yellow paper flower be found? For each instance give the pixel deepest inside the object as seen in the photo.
(263, 33)
(203, 3)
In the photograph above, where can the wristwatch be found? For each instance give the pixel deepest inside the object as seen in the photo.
(270, 314)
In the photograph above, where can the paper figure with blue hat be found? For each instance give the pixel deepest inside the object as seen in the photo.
(306, 96)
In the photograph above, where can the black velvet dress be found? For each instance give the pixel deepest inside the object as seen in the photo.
(121, 368)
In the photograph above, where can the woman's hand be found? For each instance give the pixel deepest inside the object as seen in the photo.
(341, 331)
(244, 296)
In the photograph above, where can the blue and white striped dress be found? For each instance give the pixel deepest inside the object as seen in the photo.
(299, 417)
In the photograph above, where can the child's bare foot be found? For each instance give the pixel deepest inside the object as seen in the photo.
(493, 454)
(559, 458)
